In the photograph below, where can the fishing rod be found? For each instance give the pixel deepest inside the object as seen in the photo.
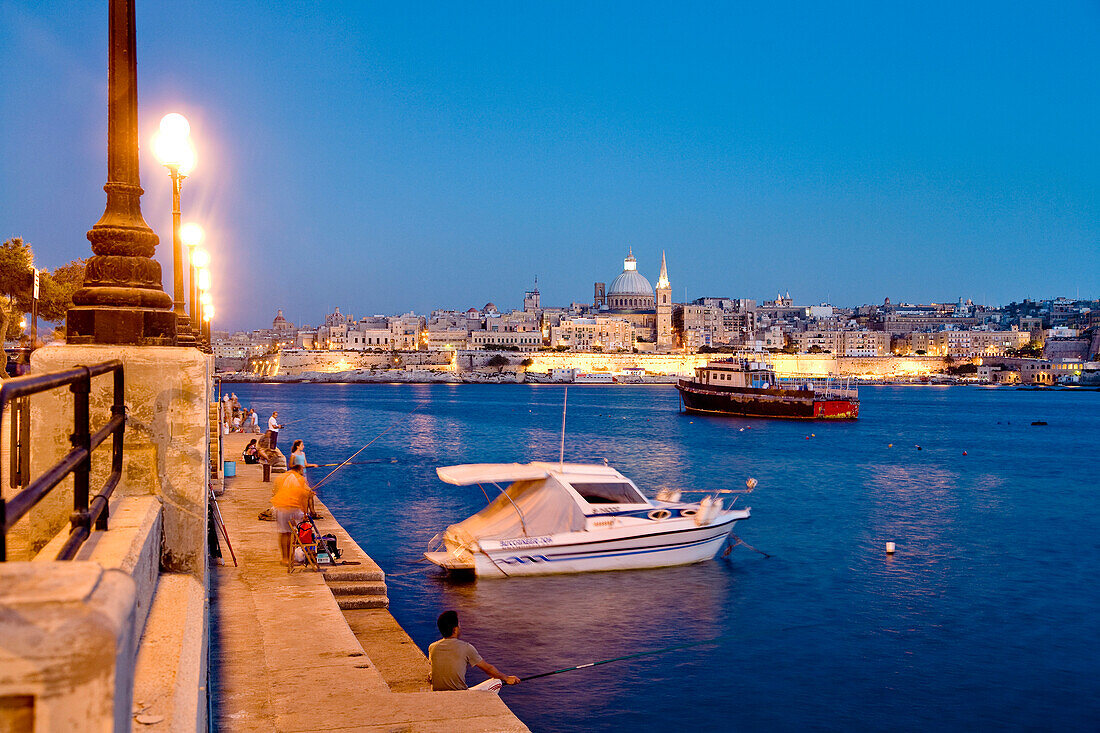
(350, 463)
(652, 652)
(368, 445)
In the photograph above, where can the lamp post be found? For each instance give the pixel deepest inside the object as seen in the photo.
(192, 236)
(172, 146)
(206, 303)
(207, 314)
(121, 301)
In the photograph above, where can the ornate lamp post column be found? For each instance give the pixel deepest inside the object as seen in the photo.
(122, 300)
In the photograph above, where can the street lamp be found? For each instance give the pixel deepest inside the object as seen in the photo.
(206, 305)
(207, 315)
(172, 147)
(191, 234)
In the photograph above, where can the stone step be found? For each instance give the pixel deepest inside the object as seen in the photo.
(351, 603)
(341, 573)
(354, 588)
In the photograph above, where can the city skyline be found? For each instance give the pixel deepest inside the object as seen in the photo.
(444, 157)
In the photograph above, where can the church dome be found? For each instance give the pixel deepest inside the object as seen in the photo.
(630, 281)
(630, 291)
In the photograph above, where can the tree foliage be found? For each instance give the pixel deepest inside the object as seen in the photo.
(499, 361)
(1032, 350)
(56, 290)
(16, 279)
(56, 287)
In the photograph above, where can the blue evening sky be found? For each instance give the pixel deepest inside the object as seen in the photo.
(388, 157)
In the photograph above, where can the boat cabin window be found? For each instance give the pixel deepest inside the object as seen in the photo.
(609, 493)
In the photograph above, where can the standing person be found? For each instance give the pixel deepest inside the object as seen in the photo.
(450, 656)
(298, 455)
(290, 503)
(298, 458)
(273, 428)
(254, 419)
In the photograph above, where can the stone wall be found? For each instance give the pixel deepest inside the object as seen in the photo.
(294, 363)
(166, 441)
(668, 364)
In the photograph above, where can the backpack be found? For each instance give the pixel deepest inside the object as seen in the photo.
(305, 532)
(327, 543)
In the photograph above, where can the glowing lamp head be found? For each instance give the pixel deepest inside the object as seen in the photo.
(200, 258)
(208, 313)
(191, 234)
(172, 144)
(204, 279)
(175, 125)
(206, 299)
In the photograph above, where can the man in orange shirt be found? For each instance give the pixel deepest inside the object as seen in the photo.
(290, 503)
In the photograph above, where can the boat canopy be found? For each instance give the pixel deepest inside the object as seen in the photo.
(542, 498)
(527, 508)
(490, 473)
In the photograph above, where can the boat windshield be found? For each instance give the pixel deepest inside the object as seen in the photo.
(608, 493)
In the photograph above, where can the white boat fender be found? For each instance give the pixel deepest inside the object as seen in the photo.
(704, 513)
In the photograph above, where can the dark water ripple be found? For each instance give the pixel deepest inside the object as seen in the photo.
(985, 618)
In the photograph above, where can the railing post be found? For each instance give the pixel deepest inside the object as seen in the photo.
(118, 407)
(81, 440)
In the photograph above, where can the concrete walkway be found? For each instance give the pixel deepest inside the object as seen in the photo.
(283, 656)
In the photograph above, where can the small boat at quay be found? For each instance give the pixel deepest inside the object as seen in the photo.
(575, 517)
(748, 388)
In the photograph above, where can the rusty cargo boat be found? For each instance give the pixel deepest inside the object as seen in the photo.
(747, 388)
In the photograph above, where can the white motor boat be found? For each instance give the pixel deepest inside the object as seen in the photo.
(575, 517)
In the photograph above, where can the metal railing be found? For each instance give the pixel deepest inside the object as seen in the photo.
(77, 461)
(837, 388)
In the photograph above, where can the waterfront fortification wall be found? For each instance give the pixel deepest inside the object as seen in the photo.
(296, 363)
(431, 366)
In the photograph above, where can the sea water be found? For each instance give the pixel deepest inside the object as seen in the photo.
(986, 617)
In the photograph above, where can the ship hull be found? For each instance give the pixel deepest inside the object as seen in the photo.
(751, 402)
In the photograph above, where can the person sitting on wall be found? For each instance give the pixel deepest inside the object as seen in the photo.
(251, 454)
(450, 657)
(290, 502)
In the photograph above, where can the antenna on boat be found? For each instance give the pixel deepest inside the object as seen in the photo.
(561, 454)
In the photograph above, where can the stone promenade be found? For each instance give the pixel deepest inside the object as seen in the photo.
(284, 656)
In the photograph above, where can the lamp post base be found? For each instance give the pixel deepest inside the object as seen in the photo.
(185, 335)
(112, 325)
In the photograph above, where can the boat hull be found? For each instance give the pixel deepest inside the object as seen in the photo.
(751, 402)
(678, 542)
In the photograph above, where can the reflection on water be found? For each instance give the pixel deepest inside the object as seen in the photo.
(985, 617)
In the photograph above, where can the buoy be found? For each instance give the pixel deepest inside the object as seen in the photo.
(889, 445)
(964, 453)
(807, 437)
(813, 435)
(918, 447)
(889, 548)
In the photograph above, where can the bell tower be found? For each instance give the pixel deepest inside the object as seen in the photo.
(664, 308)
